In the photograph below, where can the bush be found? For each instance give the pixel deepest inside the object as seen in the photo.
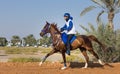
(110, 38)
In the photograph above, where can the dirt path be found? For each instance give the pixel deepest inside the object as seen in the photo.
(54, 68)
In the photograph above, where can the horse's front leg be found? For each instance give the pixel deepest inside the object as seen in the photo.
(50, 53)
(64, 59)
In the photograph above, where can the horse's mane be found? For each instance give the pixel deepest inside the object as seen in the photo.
(55, 27)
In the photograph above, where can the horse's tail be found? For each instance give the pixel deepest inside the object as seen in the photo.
(93, 38)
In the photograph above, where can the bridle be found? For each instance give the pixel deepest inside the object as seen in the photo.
(46, 30)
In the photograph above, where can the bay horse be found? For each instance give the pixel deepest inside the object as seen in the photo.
(82, 42)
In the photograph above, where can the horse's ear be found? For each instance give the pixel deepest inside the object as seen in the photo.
(56, 25)
(47, 22)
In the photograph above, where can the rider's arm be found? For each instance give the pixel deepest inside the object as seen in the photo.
(64, 27)
(70, 26)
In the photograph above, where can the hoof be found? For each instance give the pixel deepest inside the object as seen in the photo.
(63, 68)
(40, 63)
(84, 67)
(101, 62)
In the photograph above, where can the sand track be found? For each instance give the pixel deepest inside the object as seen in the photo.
(54, 68)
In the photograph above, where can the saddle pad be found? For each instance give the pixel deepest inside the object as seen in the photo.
(64, 38)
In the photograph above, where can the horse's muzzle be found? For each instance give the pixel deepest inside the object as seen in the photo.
(41, 34)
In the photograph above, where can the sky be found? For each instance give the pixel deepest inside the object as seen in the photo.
(24, 17)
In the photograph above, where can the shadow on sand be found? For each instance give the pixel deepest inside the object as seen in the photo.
(90, 65)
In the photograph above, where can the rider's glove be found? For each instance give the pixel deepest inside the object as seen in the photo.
(61, 29)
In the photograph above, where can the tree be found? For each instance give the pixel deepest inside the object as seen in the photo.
(30, 40)
(3, 41)
(111, 7)
(15, 40)
(46, 41)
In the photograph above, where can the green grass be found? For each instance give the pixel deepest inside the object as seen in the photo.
(24, 60)
(13, 51)
(3, 48)
(77, 51)
(45, 50)
(24, 50)
(70, 58)
(30, 50)
(73, 58)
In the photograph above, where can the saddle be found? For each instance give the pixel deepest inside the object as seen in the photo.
(64, 38)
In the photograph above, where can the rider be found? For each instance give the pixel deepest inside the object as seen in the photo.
(70, 30)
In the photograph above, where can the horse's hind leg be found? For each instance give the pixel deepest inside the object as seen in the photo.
(92, 52)
(83, 50)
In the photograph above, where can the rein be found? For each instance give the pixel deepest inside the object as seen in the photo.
(56, 37)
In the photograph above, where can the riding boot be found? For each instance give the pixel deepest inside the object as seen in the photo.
(68, 49)
(68, 44)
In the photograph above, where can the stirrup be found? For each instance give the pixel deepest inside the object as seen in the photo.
(68, 52)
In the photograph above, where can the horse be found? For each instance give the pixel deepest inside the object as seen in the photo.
(83, 42)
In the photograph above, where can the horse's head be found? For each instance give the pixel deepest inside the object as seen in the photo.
(45, 29)
(49, 28)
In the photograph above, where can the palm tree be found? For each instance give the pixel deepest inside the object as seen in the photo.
(111, 7)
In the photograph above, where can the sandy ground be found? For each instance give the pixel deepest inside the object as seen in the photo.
(54, 68)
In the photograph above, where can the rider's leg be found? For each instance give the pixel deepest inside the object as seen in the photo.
(68, 43)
